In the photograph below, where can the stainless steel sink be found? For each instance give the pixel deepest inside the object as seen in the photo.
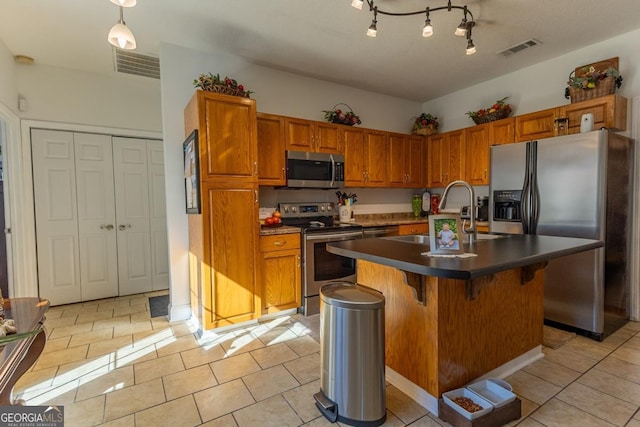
(423, 239)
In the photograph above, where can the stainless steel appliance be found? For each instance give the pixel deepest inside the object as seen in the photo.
(314, 170)
(318, 265)
(576, 186)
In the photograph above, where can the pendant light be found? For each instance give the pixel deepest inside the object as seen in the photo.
(124, 3)
(120, 35)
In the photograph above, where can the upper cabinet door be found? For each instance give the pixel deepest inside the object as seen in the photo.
(397, 170)
(328, 138)
(299, 134)
(476, 140)
(455, 141)
(228, 145)
(413, 157)
(502, 131)
(271, 150)
(536, 125)
(376, 152)
(354, 157)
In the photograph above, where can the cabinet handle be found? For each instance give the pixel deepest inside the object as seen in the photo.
(256, 193)
(485, 174)
(279, 243)
(298, 261)
(255, 168)
(283, 173)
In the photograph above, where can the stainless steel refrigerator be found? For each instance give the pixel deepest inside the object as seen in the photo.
(575, 186)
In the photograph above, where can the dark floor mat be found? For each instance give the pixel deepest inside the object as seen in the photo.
(159, 306)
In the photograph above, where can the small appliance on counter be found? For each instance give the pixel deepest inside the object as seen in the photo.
(482, 210)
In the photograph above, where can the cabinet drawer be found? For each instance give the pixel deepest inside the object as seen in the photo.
(421, 228)
(279, 242)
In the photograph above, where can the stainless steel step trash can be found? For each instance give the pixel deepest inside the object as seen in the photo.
(352, 382)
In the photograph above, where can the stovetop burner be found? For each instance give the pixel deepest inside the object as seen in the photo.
(314, 217)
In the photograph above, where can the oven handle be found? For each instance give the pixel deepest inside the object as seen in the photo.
(333, 237)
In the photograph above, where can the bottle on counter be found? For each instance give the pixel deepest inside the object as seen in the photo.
(435, 202)
(416, 205)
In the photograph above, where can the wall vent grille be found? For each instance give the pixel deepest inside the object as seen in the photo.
(519, 47)
(137, 64)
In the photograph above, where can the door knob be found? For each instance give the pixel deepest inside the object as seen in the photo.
(123, 227)
(106, 227)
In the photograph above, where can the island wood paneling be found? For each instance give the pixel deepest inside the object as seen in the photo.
(452, 340)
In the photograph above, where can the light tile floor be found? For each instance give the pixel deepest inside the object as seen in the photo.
(110, 364)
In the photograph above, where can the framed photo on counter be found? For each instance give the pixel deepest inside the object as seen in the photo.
(191, 173)
(445, 234)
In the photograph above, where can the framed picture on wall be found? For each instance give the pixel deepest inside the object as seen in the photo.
(191, 173)
(445, 234)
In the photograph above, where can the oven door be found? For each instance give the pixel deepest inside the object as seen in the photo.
(321, 266)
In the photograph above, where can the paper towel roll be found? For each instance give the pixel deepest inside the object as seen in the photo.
(586, 122)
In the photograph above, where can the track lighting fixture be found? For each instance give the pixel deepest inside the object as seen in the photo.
(464, 29)
(120, 35)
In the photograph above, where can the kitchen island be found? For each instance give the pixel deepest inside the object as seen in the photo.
(449, 321)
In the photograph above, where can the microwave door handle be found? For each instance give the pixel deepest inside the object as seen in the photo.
(333, 170)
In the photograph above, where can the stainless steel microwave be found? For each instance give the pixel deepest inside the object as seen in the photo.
(314, 170)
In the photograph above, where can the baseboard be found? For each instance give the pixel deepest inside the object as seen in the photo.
(430, 403)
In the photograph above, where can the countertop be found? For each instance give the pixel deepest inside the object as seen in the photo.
(285, 229)
(493, 255)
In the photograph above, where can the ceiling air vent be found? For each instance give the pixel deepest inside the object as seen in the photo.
(135, 63)
(519, 47)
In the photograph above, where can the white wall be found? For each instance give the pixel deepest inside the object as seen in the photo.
(69, 96)
(542, 85)
(8, 89)
(276, 92)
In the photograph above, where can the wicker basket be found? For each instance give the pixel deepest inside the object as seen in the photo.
(346, 121)
(492, 117)
(226, 90)
(425, 131)
(606, 86)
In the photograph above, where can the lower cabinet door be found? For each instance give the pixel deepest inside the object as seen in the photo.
(281, 280)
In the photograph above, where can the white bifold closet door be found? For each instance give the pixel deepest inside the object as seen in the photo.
(93, 199)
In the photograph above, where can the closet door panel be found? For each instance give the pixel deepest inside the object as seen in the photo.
(54, 187)
(132, 215)
(158, 216)
(96, 216)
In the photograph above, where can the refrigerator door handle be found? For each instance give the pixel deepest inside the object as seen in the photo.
(535, 194)
(524, 201)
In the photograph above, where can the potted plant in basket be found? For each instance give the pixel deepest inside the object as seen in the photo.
(227, 86)
(591, 83)
(499, 110)
(425, 124)
(337, 115)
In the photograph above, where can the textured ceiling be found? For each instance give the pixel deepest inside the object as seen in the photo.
(323, 39)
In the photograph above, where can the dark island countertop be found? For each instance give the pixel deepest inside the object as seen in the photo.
(493, 255)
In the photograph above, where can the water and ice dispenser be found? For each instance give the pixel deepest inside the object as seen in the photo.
(507, 206)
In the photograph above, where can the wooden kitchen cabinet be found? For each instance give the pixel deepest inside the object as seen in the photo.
(445, 158)
(280, 272)
(227, 135)
(536, 125)
(227, 235)
(271, 150)
(405, 160)
(365, 157)
(476, 143)
(309, 135)
(419, 228)
(608, 111)
(223, 238)
(502, 131)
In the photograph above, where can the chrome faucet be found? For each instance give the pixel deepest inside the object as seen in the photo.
(471, 231)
